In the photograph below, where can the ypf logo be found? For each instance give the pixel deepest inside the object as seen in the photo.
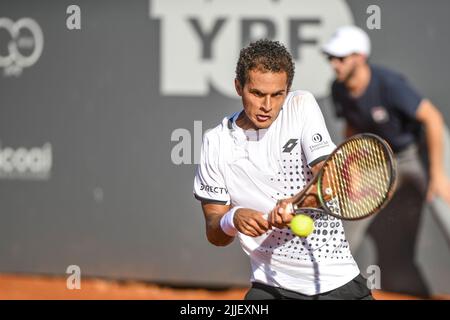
(201, 40)
(23, 45)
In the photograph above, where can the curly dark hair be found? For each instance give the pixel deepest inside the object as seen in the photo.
(267, 56)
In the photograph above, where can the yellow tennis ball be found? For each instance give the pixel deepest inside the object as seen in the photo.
(302, 225)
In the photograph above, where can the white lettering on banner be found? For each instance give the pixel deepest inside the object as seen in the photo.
(31, 41)
(201, 40)
(33, 164)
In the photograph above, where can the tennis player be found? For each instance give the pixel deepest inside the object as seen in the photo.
(378, 100)
(268, 151)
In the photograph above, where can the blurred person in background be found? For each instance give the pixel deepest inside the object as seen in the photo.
(375, 99)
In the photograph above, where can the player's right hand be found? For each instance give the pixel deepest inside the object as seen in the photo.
(282, 214)
(250, 222)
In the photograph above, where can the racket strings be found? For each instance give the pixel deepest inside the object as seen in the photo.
(359, 176)
(370, 196)
(378, 185)
(368, 163)
(374, 166)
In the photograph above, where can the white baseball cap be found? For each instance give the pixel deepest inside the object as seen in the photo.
(347, 40)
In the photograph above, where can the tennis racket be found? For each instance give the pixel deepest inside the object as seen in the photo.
(357, 180)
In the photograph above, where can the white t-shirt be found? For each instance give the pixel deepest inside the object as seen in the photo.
(254, 169)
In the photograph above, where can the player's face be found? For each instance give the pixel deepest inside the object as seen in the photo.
(344, 67)
(262, 96)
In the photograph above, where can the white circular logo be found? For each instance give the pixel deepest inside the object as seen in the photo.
(317, 138)
(16, 60)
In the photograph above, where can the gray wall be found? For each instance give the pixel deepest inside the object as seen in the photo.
(112, 200)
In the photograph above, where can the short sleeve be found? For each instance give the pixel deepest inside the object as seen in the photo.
(209, 184)
(403, 96)
(316, 141)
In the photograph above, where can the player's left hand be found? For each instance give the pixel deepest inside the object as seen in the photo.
(439, 185)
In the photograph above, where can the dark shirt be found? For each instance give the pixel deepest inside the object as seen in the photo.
(387, 108)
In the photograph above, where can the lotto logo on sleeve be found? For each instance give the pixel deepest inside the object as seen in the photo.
(217, 190)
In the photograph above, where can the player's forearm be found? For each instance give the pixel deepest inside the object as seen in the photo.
(214, 232)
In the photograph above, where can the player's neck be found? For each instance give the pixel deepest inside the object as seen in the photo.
(359, 81)
(244, 122)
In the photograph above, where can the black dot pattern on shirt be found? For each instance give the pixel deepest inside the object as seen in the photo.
(328, 236)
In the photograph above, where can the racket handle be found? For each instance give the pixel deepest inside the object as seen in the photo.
(309, 201)
(307, 197)
(290, 207)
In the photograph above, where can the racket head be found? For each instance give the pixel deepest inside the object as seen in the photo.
(358, 179)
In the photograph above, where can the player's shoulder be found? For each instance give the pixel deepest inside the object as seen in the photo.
(298, 99)
(299, 94)
(215, 134)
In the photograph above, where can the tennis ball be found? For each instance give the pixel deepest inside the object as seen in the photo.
(302, 225)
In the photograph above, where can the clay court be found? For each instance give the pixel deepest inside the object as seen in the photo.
(26, 287)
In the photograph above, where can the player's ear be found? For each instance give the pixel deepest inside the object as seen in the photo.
(238, 86)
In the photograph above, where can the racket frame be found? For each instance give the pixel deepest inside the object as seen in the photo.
(318, 178)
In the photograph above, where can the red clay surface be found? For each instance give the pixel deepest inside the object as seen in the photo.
(20, 287)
